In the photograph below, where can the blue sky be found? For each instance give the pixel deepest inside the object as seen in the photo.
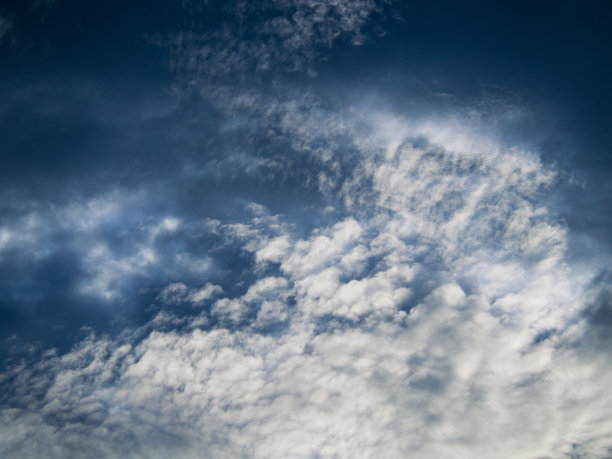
(305, 228)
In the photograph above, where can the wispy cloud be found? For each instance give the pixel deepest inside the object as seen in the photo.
(289, 38)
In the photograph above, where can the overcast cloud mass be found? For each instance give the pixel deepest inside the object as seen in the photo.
(305, 228)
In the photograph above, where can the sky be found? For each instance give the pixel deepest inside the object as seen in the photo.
(305, 229)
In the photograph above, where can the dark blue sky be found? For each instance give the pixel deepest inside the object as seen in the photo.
(70, 68)
(244, 168)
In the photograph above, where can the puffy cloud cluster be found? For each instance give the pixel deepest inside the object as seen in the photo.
(436, 317)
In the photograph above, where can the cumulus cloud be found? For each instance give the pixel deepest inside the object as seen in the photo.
(436, 318)
(450, 380)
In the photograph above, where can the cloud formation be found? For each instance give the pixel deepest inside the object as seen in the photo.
(441, 320)
(318, 280)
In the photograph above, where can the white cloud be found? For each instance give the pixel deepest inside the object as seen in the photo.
(310, 256)
(275, 250)
(198, 296)
(448, 379)
(173, 293)
(412, 326)
(267, 298)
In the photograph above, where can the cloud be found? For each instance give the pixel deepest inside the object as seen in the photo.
(275, 250)
(437, 316)
(109, 260)
(382, 285)
(179, 292)
(449, 380)
(97, 260)
(283, 35)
